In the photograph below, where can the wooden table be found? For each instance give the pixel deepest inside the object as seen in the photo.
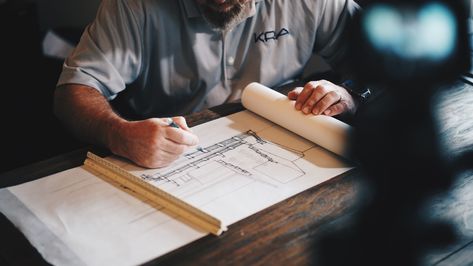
(283, 234)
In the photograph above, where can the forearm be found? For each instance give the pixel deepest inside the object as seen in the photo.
(149, 143)
(87, 114)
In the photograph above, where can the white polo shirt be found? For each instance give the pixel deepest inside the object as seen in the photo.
(164, 59)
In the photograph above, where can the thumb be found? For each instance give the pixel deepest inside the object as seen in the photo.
(181, 121)
(292, 95)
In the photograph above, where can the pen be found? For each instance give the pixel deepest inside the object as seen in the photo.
(171, 123)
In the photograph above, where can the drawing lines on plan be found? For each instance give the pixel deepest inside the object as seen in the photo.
(245, 156)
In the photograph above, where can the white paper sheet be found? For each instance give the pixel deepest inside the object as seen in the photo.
(326, 131)
(97, 223)
(249, 164)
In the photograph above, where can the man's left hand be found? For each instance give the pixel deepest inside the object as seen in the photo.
(323, 97)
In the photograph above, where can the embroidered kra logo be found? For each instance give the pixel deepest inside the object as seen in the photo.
(270, 35)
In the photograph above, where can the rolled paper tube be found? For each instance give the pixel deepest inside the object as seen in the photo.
(325, 131)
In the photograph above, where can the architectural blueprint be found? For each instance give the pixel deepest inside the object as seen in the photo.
(243, 156)
(247, 164)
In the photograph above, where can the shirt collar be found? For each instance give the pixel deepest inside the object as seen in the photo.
(192, 10)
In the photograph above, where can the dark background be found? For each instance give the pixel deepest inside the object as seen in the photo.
(29, 130)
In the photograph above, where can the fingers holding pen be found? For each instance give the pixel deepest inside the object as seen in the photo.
(154, 142)
(181, 122)
(181, 136)
(169, 144)
(176, 130)
(175, 136)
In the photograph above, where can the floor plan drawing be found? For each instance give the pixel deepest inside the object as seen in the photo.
(245, 156)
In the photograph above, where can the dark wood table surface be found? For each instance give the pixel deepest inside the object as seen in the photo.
(284, 234)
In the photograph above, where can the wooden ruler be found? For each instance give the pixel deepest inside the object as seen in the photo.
(160, 197)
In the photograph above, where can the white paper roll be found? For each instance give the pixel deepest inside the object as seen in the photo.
(326, 131)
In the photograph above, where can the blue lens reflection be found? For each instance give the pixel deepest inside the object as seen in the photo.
(428, 33)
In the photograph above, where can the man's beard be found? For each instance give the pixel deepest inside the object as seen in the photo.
(225, 20)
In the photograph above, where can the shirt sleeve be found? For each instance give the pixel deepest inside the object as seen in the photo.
(109, 53)
(332, 38)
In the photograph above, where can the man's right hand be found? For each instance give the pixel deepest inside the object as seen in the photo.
(149, 143)
(152, 143)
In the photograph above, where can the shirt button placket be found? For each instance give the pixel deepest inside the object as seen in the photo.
(230, 60)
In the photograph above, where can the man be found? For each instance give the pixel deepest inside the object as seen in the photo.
(179, 56)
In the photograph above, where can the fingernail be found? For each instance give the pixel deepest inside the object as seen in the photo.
(327, 112)
(306, 110)
(298, 106)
